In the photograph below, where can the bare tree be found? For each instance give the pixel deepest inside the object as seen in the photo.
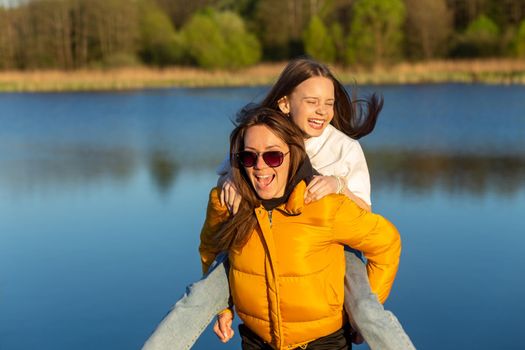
(466, 10)
(113, 27)
(7, 39)
(428, 27)
(180, 11)
(60, 22)
(280, 25)
(80, 32)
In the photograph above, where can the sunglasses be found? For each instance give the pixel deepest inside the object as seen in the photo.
(272, 158)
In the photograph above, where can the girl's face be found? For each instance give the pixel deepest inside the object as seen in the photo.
(311, 105)
(268, 182)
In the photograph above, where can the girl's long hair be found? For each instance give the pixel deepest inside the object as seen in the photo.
(236, 231)
(354, 118)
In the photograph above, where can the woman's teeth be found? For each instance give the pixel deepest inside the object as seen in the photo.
(264, 179)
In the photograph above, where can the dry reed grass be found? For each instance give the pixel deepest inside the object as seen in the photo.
(497, 71)
(492, 71)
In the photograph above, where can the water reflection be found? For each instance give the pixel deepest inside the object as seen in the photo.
(416, 172)
(163, 168)
(473, 174)
(42, 168)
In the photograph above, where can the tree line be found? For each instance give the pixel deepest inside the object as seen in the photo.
(71, 34)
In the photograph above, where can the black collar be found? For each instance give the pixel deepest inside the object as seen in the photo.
(305, 172)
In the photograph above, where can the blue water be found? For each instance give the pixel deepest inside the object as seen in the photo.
(102, 196)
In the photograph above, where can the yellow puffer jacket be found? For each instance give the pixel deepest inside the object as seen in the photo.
(287, 281)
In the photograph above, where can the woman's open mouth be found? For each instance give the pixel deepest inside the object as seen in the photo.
(264, 181)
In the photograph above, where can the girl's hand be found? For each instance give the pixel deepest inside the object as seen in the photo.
(229, 195)
(321, 186)
(223, 326)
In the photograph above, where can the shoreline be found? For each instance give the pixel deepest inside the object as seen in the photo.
(487, 71)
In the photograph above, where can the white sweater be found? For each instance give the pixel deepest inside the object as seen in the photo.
(334, 153)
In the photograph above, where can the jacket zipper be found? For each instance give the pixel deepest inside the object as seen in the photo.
(270, 217)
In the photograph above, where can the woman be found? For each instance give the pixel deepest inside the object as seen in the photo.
(286, 257)
(308, 93)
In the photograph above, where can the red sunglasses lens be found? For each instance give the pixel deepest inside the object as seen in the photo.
(271, 158)
(247, 158)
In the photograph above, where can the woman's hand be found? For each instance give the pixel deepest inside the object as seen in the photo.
(229, 194)
(223, 326)
(321, 186)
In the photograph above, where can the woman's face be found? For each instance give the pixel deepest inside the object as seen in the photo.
(311, 105)
(268, 182)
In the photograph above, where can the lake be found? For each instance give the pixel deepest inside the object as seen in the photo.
(102, 197)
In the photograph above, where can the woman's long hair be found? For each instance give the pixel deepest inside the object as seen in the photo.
(352, 118)
(237, 230)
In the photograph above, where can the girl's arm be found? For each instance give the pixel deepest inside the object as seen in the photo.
(321, 186)
(345, 165)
